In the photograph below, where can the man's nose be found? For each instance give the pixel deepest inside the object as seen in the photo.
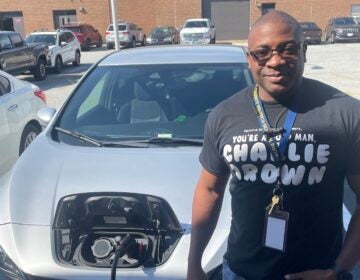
(276, 58)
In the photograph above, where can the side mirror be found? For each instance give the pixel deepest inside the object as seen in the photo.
(63, 44)
(45, 115)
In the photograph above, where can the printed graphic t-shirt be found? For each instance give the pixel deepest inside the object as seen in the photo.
(324, 146)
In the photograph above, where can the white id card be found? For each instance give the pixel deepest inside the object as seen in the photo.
(276, 229)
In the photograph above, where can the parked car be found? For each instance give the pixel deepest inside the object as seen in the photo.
(312, 32)
(63, 45)
(163, 35)
(16, 56)
(342, 29)
(129, 35)
(198, 31)
(106, 170)
(86, 34)
(19, 103)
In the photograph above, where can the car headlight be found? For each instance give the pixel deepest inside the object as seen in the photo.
(168, 39)
(8, 268)
(207, 36)
(339, 31)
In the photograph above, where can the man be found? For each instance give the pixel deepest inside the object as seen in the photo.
(287, 178)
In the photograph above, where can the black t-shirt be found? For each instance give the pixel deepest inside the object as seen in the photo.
(323, 147)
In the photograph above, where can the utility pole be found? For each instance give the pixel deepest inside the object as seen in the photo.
(115, 25)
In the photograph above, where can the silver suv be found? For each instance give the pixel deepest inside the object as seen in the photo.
(129, 35)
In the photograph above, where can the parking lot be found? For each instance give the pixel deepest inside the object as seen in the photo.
(335, 64)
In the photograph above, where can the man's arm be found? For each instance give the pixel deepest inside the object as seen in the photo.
(350, 252)
(206, 208)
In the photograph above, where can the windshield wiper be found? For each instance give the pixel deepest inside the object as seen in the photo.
(80, 136)
(186, 141)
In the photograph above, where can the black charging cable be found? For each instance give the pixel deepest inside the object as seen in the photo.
(119, 252)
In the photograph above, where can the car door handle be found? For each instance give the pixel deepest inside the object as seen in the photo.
(12, 107)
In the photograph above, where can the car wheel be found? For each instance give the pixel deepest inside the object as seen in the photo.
(29, 134)
(143, 42)
(332, 38)
(213, 41)
(58, 65)
(109, 46)
(40, 70)
(133, 43)
(87, 45)
(99, 43)
(76, 62)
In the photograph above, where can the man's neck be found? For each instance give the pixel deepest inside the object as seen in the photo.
(282, 97)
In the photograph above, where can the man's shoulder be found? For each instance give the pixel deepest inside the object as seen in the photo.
(317, 90)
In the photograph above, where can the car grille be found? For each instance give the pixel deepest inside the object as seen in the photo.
(194, 36)
(351, 30)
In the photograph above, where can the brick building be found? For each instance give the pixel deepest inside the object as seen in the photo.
(232, 17)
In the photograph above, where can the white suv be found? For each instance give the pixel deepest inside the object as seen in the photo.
(129, 35)
(64, 47)
(198, 31)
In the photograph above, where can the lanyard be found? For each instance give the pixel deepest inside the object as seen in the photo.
(277, 151)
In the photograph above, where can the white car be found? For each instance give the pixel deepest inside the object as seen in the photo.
(107, 188)
(198, 31)
(19, 124)
(64, 47)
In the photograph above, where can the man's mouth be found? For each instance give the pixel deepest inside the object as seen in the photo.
(276, 77)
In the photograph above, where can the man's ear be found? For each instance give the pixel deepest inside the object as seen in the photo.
(304, 50)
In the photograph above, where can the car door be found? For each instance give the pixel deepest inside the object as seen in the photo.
(65, 47)
(23, 55)
(7, 59)
(9, 120)
(70, 39)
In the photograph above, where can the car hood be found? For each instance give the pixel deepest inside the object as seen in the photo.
(48, 171)
(194, 30)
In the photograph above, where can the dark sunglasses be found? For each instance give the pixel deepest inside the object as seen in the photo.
(288, 52)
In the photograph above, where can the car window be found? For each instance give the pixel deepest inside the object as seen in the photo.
(344, 21)
(5, 42)
(5, 86)
(121, 27)
(73, 29)
(16, 40)
(195, 24)
(69, 37)
(62, 38)
(137, 102)
(48, 39)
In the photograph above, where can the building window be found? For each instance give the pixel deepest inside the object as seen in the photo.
(62, 17)
(267, 7)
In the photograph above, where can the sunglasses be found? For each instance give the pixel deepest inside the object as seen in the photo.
(288, 52)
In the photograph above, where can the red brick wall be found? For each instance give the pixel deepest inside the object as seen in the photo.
(38, 14)
(318, 11)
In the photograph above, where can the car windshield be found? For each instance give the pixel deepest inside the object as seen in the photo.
(308, 25)
(144, 102)
(48, 39)
(74, 29)
(195, 24)
(121, 27)
(160, 30)
(344, 21)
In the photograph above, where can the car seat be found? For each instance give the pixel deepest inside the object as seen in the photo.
(143, 108)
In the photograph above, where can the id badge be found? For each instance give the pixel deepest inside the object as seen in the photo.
(275, 230)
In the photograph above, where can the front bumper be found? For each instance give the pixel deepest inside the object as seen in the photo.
(202, 41)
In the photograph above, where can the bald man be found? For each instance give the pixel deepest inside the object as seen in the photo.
(287, 186)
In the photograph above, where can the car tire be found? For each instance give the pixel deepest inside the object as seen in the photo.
(76, 62)
(109, 46)
(133, 43)
(39, 71)
(58, 65)
(213, 41)
(87, 45)
(143, 42)
(99, 43)
(28, 135)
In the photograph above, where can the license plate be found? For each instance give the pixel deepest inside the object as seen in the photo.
(350, 34)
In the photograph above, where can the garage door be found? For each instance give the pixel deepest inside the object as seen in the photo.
(231, 18)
